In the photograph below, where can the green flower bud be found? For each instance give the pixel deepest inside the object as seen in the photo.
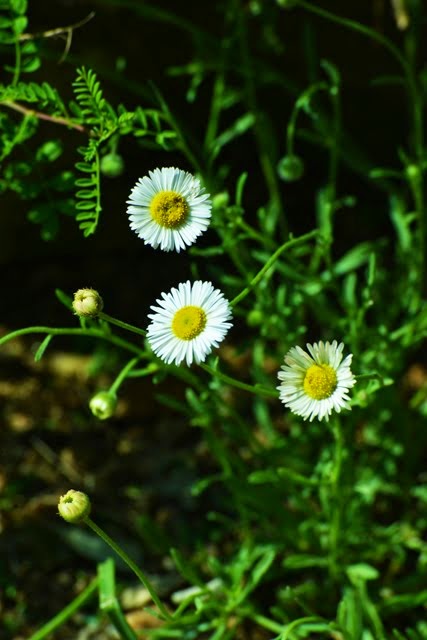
(220, 200)
(74, 506)
(112, 165)
(87, 303)
(290, 168)
(255, 318)
(413, 173)
(103, 404)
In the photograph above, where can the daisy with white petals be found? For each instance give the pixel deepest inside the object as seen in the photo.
(169, 209)
(188, 322)
(316, 383)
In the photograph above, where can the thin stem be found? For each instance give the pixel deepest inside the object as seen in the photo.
(270, 262)
(131, 564)
(256, 389)
(254, 234)
(42, 116)
(356, 26)
(262, 134)
(58, 31)
(67, 612)
(305, 96)
(17, 69)
(336, 515)
(95, 333)
(122, 325)
(124, 373)
(370, 376)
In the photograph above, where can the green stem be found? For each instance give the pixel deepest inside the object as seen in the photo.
(336, 515)
(267, 623)
(370, 376)
(17, 69)
(297, 623)
(262, 134)
(270, 262)
(254, 234)
(131, 564)
(67, 612)
(121, 324)
(124, 373)
(356, 26)
(40, 115)
(256, 389)
(95, 333)
(299, 104)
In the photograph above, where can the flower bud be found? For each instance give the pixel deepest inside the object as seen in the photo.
(74, 506)
(220, 200)
(290, 168)
(413, 173)
(103, 404)
(87, 303)
(112, 165)
(255, 318)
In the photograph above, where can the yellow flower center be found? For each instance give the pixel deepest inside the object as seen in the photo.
(188, 322)
(169, 209)
(320, 381)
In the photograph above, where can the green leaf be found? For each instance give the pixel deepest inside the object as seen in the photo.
(86, 205)
(42, 348)
(85, 167)
(18, 6)
(108, 602)
(31, 64)
(64, 299)
(49, 151)
(361, 573)
(353, 259)
(19, 25)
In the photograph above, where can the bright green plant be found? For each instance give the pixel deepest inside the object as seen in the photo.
(322, 525)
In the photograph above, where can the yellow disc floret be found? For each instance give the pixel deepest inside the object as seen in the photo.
(188, 322)
(169, 209)
(320, 381)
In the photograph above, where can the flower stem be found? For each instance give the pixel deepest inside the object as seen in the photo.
(336, 507)
(121, 324)
(42, 116)
(256, 389)
(95, 333)
(131, 564)
(124, 373)
(67, 612)
(270, 262)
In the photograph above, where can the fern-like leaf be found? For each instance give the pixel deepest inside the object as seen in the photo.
(88, 195)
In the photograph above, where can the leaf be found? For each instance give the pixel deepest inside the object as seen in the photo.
(353, 259)
(42, 348)
(64, 299)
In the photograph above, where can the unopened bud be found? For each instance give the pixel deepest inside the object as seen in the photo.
(290, 168)
(74, 506)
(87, 303)
(255, 318)
(112, 165)
(103, 404)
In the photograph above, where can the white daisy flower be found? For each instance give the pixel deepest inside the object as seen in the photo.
(188, 322)
(169, 209)
(315, 383)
